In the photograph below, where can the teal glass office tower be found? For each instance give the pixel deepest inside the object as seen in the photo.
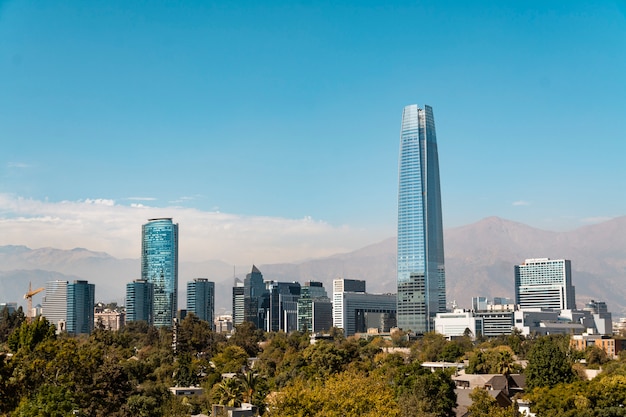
(201, 299)
(80, 305)
(421, 271)
(139, 299)
(159, 265)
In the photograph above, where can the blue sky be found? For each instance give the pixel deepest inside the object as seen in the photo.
(276, 114)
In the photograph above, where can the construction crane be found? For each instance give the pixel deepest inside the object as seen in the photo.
(29, 298)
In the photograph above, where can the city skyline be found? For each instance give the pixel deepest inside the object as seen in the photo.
(259, 110)
(421, 267)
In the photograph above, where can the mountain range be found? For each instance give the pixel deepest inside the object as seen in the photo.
(479, 262)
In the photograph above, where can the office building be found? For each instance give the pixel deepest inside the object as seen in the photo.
(358, 311)
(201, 299)
(459, 323)
(80, 307)
(496, 322)
(488, 322)
(238, 303)
(254, 294)
(420, 257)
(54, 304)
(159, 265)
(315, 310)
(139, 298)
(281, 306)
(348, 285)
(544, 283)
(597, 307)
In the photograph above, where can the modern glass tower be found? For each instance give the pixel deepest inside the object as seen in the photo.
(80, 304)
(201, 299)
(421, 271)
(139, 299)
(159, 265)
(254, 294)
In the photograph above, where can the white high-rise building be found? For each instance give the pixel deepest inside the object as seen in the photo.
(54, 304)
(544, 283)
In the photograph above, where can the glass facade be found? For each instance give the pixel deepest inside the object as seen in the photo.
(315, 311)
(255, 294)
(80, 307)
(139, 296)
(421, 271)
(159, 265)
(201, 299)
(281, 306)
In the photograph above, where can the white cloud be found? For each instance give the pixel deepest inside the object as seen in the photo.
(521, 203)
(18, 165)
(140, 199)
(100, 201)
(104, 225)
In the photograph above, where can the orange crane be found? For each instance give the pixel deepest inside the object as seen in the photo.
(29, 298)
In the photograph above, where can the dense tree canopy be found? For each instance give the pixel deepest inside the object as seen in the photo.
(549, 363)
(129, 372)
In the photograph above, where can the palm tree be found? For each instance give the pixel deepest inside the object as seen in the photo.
(249, 381)
(505, 366)
(229, 391)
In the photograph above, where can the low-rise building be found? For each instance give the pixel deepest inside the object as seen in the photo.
(610, 345)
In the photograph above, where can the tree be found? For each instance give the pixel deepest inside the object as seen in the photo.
(185, 375)
(348, 393)
(195, 336)
(8, 397)
(430, 347)
(429, 394)
(249, 383)
(324, 359)
(498, 360)
(595, 357)
(29, 335)
(142, 406)
(228, 392)
(548, 363)
(451, 352)
(10, 322)
(247, 336)
(48, 401)
(484, 405)
(232, 359)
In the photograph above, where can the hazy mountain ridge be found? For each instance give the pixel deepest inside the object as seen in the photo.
(479, 261)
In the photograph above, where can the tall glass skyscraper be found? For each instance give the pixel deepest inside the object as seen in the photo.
(421, 271)
(159, 265)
